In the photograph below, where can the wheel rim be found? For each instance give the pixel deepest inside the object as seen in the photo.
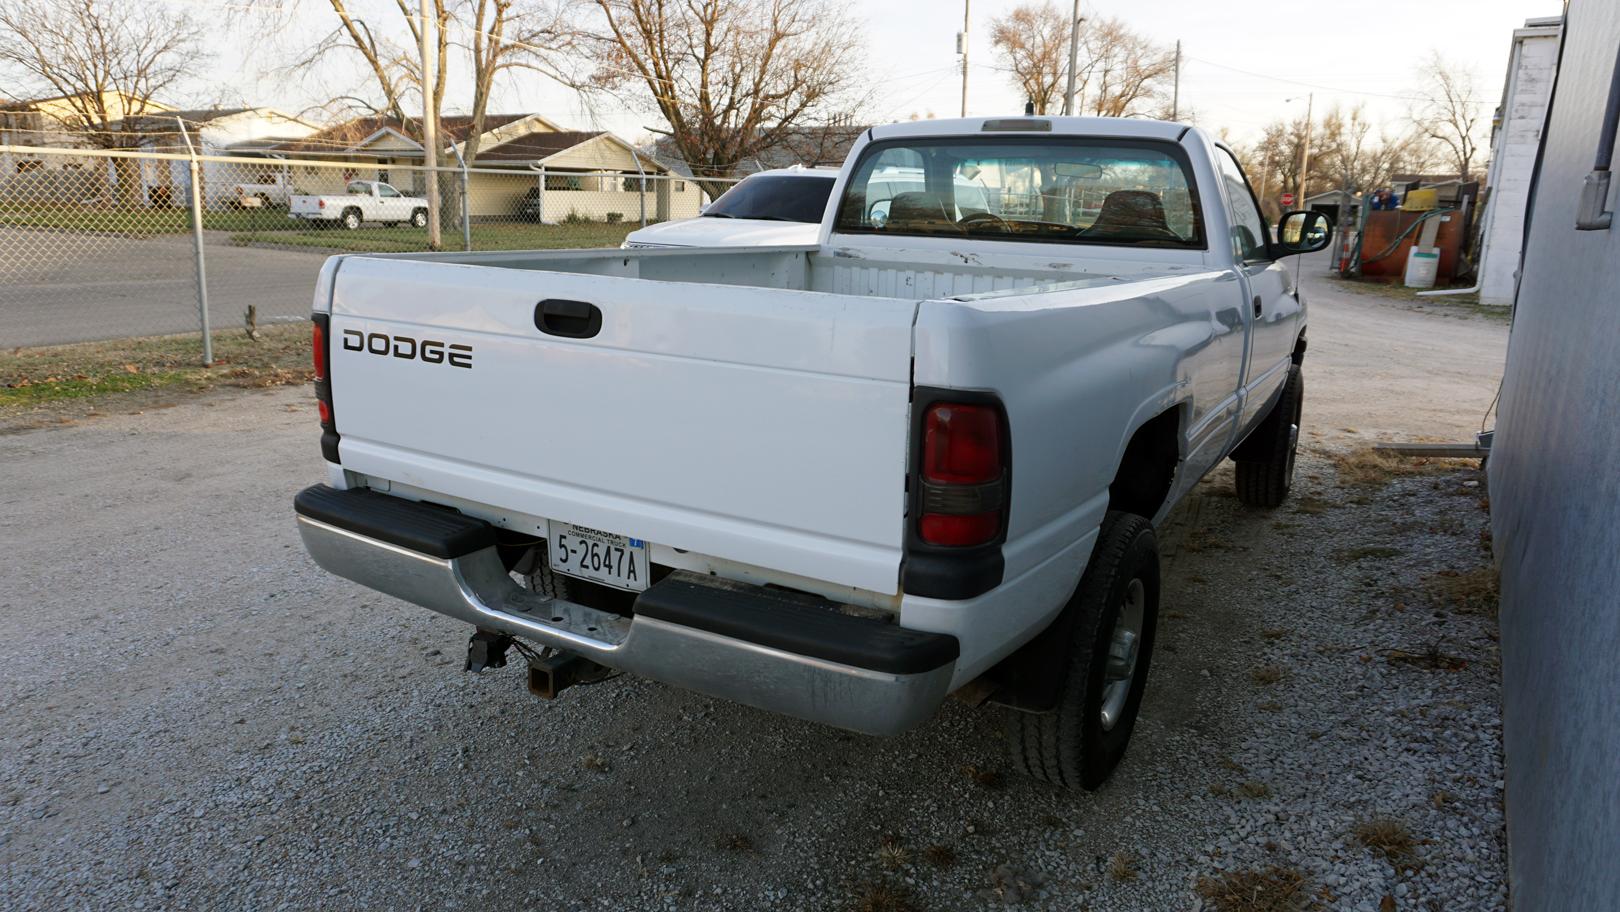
(1123, 648)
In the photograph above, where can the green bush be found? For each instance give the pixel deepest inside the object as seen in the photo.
(614, 218)
(574, 218)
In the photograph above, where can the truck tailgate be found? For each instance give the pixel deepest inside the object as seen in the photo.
(760, 425)
(304, 205)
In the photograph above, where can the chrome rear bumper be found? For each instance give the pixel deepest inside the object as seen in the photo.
(476, 588)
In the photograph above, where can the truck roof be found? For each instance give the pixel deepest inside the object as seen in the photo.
(1122, 127)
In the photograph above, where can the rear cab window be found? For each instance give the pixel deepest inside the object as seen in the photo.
(1082, 190)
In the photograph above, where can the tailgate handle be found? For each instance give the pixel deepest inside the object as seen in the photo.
(569, 319)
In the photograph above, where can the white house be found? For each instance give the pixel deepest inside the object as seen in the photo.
(213, 132)
(1516, 135)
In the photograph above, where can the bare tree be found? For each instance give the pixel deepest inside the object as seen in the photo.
(106, 59)
(732, 78)
(394, 64)
(1122, 73)
(506, 35)
(1447, 111)
(1033, 40)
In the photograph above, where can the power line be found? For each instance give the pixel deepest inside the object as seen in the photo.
(1315, 85)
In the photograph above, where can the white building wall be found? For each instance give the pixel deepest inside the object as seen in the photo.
(1555, 513)
(1524, 109)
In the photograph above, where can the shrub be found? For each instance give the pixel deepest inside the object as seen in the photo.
(614, 218)
(574, 218)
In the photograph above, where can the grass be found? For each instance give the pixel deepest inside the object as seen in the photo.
(273, 227)
(1374, 468)
(892, 852)
(138, 221)
(1254, 788)
(1459, 305)
(485, 236)
(1270, 889)
(940, 856)
(985, 778)
(1390, 838)
(1473, 591)
(1122, 867)
(32, 377)
(1266, 674)
(882, 896)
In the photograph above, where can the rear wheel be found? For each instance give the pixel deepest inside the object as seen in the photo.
(1265, 461)
(1110, 621)
(419, 218)
(351, 219)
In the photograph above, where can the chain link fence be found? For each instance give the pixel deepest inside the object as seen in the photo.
(99, 245)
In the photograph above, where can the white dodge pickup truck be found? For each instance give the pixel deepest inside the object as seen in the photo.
(839, 481)
(365, 201)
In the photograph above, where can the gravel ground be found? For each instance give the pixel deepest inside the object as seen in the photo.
(195, 717)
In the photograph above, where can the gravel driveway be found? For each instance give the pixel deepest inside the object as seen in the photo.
(195, 717)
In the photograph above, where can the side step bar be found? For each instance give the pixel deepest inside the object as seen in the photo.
(763, 647)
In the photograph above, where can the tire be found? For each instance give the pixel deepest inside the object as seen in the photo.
(419, 218)
(1074, 745)
(1265, 462)
(351, 219)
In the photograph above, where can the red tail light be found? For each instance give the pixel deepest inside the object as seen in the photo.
(320, 204)
(964, 475)
(961, 444)
(319, 351)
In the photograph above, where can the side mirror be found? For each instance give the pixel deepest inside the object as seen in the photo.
(1302, 232)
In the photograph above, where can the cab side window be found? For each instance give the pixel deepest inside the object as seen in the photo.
(1248, 225)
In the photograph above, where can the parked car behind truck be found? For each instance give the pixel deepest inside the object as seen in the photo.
(781, 206)
(838, 481)
(364, 201)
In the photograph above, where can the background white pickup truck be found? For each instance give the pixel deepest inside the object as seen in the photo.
(837, 481)
(366, 201)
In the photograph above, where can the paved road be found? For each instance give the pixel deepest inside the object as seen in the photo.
(195, 717)
(76, 287)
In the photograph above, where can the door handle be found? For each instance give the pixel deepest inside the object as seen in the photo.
(569, 319)
(1258, 310)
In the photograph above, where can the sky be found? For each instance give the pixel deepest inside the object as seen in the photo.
(1245, 62)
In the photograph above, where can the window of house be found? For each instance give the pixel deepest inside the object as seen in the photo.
(680, 186)
(23, 167)
(565, 182)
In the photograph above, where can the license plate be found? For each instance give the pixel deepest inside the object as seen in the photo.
(601, 557)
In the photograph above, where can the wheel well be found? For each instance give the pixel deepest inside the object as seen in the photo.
(1148, 466)
(1299, 348)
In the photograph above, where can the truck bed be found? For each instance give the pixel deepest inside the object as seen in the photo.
(736, 405)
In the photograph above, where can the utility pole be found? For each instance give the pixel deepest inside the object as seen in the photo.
(1305, 153)
(1175, 99)
(963, 41)
(1074, 57)
(430, 132)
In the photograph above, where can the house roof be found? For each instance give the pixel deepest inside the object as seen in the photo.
(536, 146)
(453, 128)
(1396, 180)
(164, 122)
(28, 104)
